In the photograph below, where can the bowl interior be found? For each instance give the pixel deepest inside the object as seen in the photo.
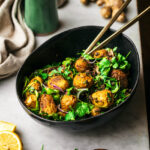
(68, 43)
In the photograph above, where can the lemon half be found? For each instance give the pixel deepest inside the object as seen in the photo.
(6, 126)
(10, 141)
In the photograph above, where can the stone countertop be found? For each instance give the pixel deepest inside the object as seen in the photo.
(128, 131)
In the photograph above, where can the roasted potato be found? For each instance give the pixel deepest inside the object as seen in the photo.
(31, 101)
(67, 102)
(83, 80)
(47, 104)
(95, 111)
(100, 53)
(81, 65)
(102, 99)
(121, 77)
(58, 81)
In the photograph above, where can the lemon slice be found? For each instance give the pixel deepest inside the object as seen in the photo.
(10, 141)
(5, 126)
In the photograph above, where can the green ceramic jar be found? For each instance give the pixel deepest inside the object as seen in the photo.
(41, 15)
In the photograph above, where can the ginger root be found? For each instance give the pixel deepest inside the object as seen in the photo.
(85, 2)
(110, 8)
(106, 12)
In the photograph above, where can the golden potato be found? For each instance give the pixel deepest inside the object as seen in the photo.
(36, 83)
(95, 111)
(47, 104)
(31, 101)
(81, 65)
(102, 99)
(100, 53)
(121, 77)
(83, 80)
(58, 81)
(67, 102)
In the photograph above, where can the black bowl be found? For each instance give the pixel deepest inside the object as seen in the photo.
(67, 44)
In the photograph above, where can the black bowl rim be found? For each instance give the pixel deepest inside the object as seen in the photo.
(92, 117)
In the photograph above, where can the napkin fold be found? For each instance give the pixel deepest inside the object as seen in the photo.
(16, 39)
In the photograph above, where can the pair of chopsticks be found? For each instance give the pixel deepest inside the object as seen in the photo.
(89, 50)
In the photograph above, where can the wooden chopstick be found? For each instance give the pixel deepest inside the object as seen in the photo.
(113, 19)
(126, 26)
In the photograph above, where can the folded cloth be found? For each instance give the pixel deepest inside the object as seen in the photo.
(16, 39)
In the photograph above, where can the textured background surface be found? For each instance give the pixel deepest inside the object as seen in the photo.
(128, 131)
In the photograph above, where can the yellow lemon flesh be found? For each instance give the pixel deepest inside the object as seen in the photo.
(10, 141)
(5, 126)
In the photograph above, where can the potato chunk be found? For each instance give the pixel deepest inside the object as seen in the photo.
(68, 101)
(56, 82)
(47, 104)
(100, 53)
(95, 111)
(121, 77)
(81, 65)
(31, 101)
(102, 99)
(83, 80)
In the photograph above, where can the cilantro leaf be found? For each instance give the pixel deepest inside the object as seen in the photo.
(104, 66)
(121, 96)
(44, 76)
(87, 56)
(53, 72)
(83, 109)
(70, 116)
(68, 61)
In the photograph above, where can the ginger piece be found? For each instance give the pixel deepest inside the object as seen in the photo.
(85, 2)
(100, 2)
(110, 8)
(122, 16)
(106, 12)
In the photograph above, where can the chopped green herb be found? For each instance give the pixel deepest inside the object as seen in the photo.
(70, 116)
(82, 109)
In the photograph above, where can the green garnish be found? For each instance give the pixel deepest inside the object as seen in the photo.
(70, 116)
(83, 109)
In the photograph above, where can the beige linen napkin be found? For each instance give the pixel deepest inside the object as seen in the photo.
(16, 39)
